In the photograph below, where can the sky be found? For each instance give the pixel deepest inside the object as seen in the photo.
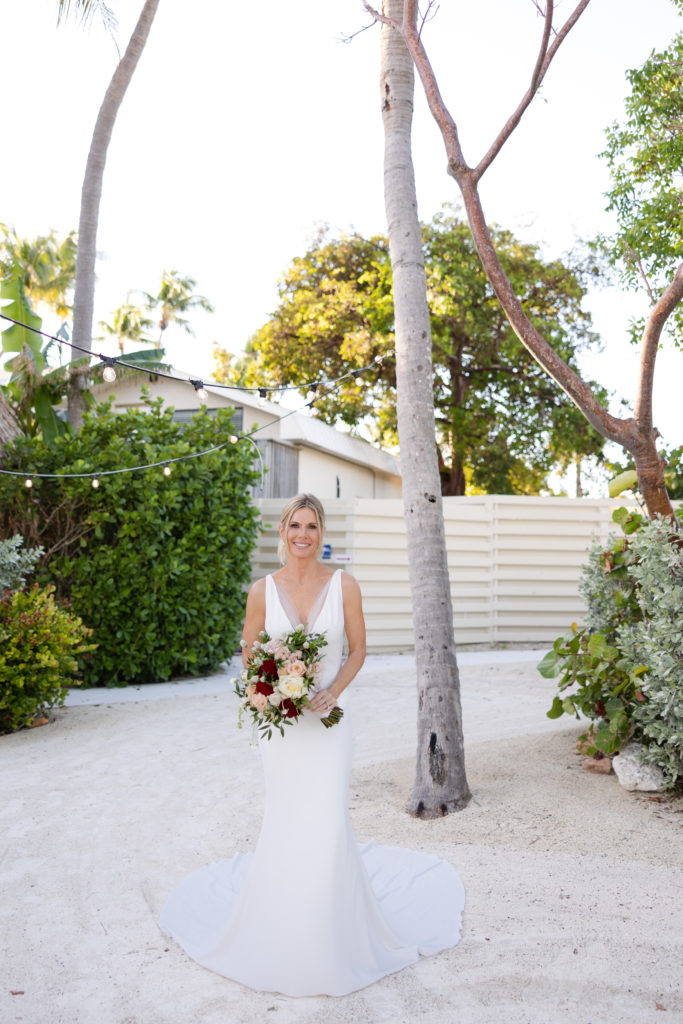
(247, 126)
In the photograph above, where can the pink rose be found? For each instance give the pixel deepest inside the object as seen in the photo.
(295, 667)
(273, 647)
(259, 701)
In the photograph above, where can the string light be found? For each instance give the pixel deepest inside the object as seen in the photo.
(202, 393)
(111, 361)
(108, 373)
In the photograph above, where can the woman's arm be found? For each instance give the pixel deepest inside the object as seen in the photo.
(255, 617)
(354, 624)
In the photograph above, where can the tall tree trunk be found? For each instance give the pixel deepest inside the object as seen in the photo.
(440, 780)
(9, 428)
(453, 483)
(84, 292)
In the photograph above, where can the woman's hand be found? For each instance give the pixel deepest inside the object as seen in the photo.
(322, 702)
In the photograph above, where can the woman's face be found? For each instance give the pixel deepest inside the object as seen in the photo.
(302, 535)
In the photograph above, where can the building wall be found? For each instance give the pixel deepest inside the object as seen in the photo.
(330, 477)
(318, 471)
(514, 563)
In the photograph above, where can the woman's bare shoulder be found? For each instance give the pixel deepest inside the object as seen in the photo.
(257, 590)
(350, 584)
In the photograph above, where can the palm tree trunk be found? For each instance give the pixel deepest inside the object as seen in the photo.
(84, 292)
(440, 781)
(9, 428)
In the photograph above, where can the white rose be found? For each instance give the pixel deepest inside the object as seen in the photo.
(275, 698)
(291, 686)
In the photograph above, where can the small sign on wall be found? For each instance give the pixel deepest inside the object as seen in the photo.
(327, 552)
(345, 559)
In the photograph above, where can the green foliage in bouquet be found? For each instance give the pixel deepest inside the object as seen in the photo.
(39, 645)
(155, 564)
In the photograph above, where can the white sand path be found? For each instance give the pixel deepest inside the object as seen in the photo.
(574, 887)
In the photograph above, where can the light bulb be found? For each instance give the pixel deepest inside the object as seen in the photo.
(202, 393)
(109, 374)
(262, 396)
(95, 482)
(234, 439)
(167, 470)
(28, 482)
(379, 359)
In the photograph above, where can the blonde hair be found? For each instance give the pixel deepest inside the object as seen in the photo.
(293, 505)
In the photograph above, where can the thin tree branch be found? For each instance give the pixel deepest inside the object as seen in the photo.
(426, 16)
(545, 56)
(438, 108)
(635, 260)
(358, 32)
(381, 18)
(649, 345)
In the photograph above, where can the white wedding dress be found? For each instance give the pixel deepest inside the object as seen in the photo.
(311, 912)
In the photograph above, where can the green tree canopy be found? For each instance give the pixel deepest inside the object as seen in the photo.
(47, 264)
(500, 423)
(645, 158)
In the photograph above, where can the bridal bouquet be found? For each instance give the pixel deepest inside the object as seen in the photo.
(280, 674)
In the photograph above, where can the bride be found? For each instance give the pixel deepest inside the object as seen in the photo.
(310, 912)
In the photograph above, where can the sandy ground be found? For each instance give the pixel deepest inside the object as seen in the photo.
(574, 886)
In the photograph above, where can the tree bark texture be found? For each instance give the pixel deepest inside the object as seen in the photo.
(9, 428)
(91, 193)
(636, 434)
(440, 780)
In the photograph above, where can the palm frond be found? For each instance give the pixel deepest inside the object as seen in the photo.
(85, 9)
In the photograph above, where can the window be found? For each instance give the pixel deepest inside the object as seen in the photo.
(185, 416)
(281, 465)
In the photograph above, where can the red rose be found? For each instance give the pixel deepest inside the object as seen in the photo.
(292, 710)
(269, 668)
(264, 688)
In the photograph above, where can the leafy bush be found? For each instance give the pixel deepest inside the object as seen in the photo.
(657, 641)
(625, 669)
(16, 565)
(39, 642)
(156, 565)
(607, 687)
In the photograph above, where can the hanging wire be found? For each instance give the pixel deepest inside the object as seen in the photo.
(263, 390)
(29, 476)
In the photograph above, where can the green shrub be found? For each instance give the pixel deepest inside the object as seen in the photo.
(155, 565)
(624, 671)
(657, 641)
(604, 685)
(16, 565)
(39, 643)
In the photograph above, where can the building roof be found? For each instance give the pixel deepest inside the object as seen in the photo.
(275, 422)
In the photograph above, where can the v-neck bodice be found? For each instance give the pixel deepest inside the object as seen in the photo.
(315, 610)
(328, 618)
